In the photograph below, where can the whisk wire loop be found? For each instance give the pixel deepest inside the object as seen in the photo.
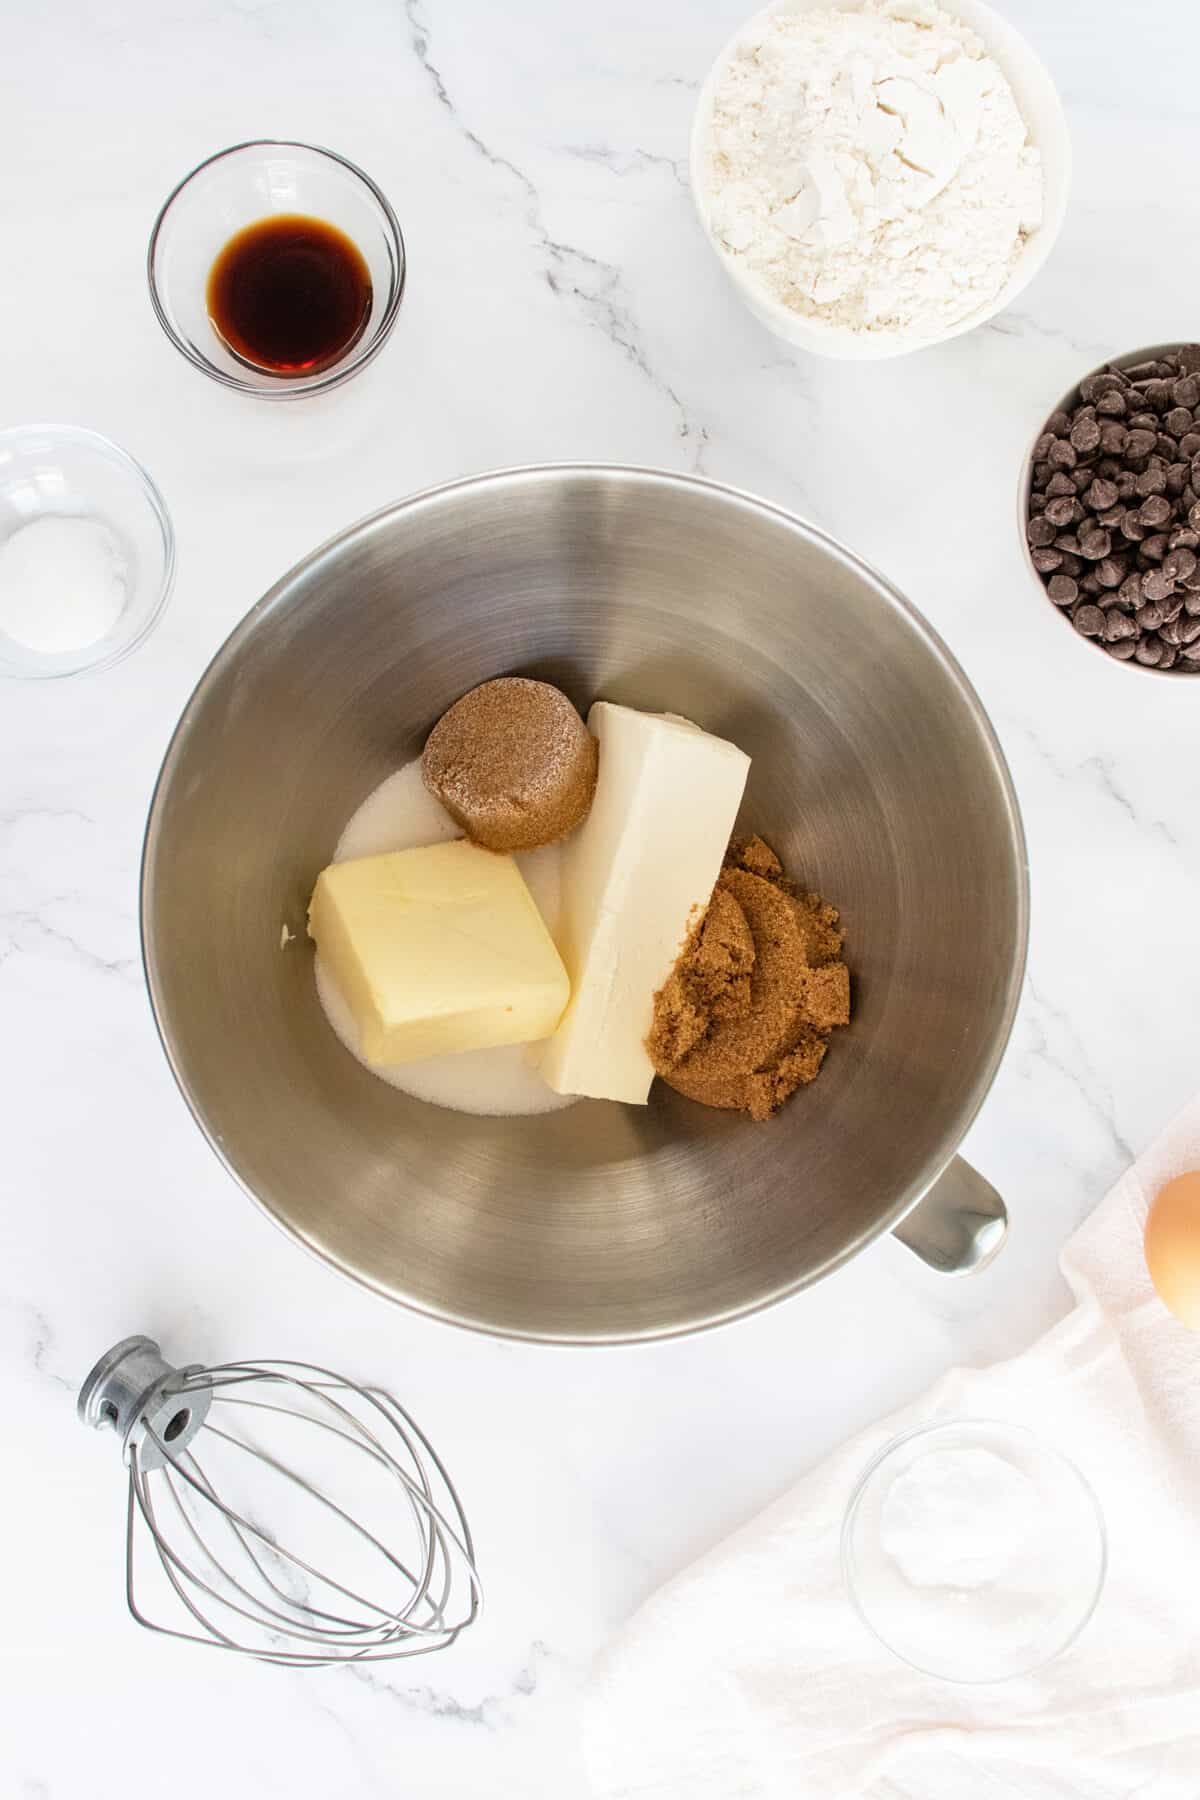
(372, 1590)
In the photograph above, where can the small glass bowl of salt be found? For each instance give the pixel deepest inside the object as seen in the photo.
(87, 552)
(973, 1550)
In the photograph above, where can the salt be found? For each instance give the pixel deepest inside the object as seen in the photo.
(63, 584)
(959, 1518)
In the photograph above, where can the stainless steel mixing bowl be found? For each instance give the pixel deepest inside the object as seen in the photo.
(875, 775)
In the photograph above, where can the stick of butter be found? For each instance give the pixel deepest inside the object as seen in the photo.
(634, 874)
(437, 950)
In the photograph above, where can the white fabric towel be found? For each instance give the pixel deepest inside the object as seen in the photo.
(750, 1676)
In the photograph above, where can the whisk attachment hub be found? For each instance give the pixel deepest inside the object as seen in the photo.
(135, 1392)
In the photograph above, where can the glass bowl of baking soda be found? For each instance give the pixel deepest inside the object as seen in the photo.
(974, 1551)
(87, 552)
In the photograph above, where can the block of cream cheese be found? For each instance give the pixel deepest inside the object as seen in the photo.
(437, 950)
(634, 876)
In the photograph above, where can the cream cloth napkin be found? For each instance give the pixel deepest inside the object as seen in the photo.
(750, 1677)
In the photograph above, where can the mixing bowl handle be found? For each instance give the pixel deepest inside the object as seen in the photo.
(959, 1225)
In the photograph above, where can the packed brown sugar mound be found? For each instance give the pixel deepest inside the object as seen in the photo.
(745, 1017)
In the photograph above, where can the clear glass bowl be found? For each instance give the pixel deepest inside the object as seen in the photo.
(973, 1551)
(237, 187)
(63, 470)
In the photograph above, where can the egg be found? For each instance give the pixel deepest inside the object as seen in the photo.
(1173, 1247)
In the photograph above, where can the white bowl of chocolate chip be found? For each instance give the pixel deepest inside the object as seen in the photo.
(1109, 509)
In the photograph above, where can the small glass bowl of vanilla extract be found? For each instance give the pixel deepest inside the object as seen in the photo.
(277, 268)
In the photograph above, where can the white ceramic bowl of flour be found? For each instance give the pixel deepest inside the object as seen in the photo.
(1039, 103)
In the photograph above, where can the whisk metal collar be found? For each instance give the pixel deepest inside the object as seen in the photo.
(135, 1392)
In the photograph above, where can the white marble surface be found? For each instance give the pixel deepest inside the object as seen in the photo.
(562, 304)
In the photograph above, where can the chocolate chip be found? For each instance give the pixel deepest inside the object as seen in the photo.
(1059, 423)
(1059, 484)
(1188, 629)
(1062, 454)
(1129, 594)
(1155, 510)
(1046, 559)
(1158, 393)
(1068, 543)
(1191, 603)
(1138, 444)
(1124, 652)
(1113, 437)
(1071, 564)
(1094, 542)
(1112, 404)
(1178, 420)
(1100, 494)
(1126, 483)
(1143, 421)
(1067, 511)
(1090, 585)
(1131, 525)
(1186, 391)
(1085, 435)
(1107, 381)
(1039, 530)
(1170, 656)
(1152, 480)
(1166, 447)
(1088, 621)
(1154, 548)
(1118, 625)
(1177, 476)
(1149, 653)
(1178, 564)
(1184, 538)
(1062, 590)
(1110, 570)
(1188, 358)
(1155, 586)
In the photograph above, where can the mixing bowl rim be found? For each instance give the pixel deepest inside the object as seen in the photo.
(226, 655)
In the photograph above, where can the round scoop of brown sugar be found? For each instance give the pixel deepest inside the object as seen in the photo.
(513, 763)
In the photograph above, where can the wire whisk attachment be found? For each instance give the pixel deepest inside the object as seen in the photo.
(320, 1527)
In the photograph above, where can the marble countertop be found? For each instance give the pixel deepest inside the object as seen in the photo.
(562, 304)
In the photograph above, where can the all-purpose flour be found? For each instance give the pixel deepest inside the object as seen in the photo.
(871, 168)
